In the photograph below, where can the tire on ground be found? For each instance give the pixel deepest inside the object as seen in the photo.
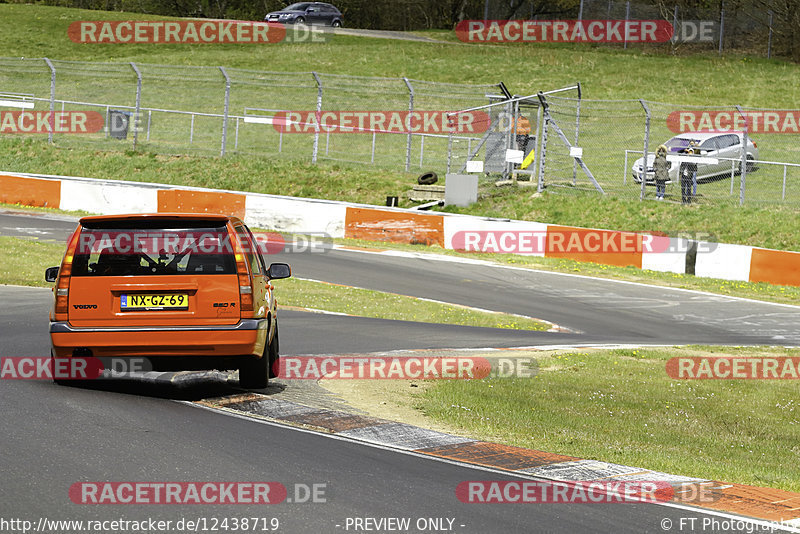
(429, 178)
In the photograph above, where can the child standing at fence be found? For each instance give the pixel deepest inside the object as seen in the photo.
(661, 171)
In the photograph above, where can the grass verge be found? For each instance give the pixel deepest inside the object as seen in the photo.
(24, 261)
(370, 303)
(620, 406)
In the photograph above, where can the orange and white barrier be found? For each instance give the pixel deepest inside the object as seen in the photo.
(450, 231)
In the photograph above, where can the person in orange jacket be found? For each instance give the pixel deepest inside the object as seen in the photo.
(523, 130)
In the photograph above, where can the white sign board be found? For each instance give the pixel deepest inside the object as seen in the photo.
(575, 152)
(475, 166)
(514, 156)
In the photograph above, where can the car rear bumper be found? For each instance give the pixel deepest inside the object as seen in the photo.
(245, 338)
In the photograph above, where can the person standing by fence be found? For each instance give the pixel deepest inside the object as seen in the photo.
(688, 174)
(523, 130)
(661, 171)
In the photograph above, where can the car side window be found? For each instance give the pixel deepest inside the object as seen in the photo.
(710, 144)
(733, 140)
(258, 250)
(251, 252)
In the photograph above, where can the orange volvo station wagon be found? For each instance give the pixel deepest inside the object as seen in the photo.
(185, 291)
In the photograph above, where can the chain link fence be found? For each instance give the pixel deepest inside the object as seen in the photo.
(743, 152)
(219, 110)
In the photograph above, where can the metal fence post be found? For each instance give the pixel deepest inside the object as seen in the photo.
(543, 149)
(783, 191)
(225, 111)
(646, 146)
(52, 99)
(577, 131)
(769, 39)
(580, 10)
(627, 18)
(410, 111)
(743, 169)
(721, 28)
(449, 149)
(674, 38)
(138, 104)
(319, 113)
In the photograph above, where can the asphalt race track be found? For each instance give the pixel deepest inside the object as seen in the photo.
(55, 436)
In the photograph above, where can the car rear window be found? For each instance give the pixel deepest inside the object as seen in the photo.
(124, 250)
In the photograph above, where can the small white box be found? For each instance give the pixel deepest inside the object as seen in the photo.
(575, 152)
(475, 166)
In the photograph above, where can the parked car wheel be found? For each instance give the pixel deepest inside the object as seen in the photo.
(337, 24)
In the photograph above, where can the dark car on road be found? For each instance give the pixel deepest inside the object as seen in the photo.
(307, 13)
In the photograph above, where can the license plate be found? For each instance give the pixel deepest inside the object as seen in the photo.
(160, 301)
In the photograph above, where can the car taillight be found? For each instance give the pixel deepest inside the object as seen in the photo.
(64, 274)
(245, 283)
(755, 145)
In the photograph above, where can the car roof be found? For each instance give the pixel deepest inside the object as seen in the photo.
(702, 136)
(153, 217)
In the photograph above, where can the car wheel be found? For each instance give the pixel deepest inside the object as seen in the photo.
(336, 24)
(299, 20)
(254, 374)
(751, 166)
(274, 356)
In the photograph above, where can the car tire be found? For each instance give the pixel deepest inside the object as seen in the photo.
(336, 24)
(428, 178)
(254, 374)
(274, 355)
(299, 20)
(751, 164)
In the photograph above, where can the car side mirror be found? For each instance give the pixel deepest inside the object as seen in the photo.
(51, 274)
(277, 271)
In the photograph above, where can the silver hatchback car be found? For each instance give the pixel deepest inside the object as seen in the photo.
(725, 147)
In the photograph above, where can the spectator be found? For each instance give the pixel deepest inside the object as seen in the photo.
(523, 130)
(688, 174)
(661, 171)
